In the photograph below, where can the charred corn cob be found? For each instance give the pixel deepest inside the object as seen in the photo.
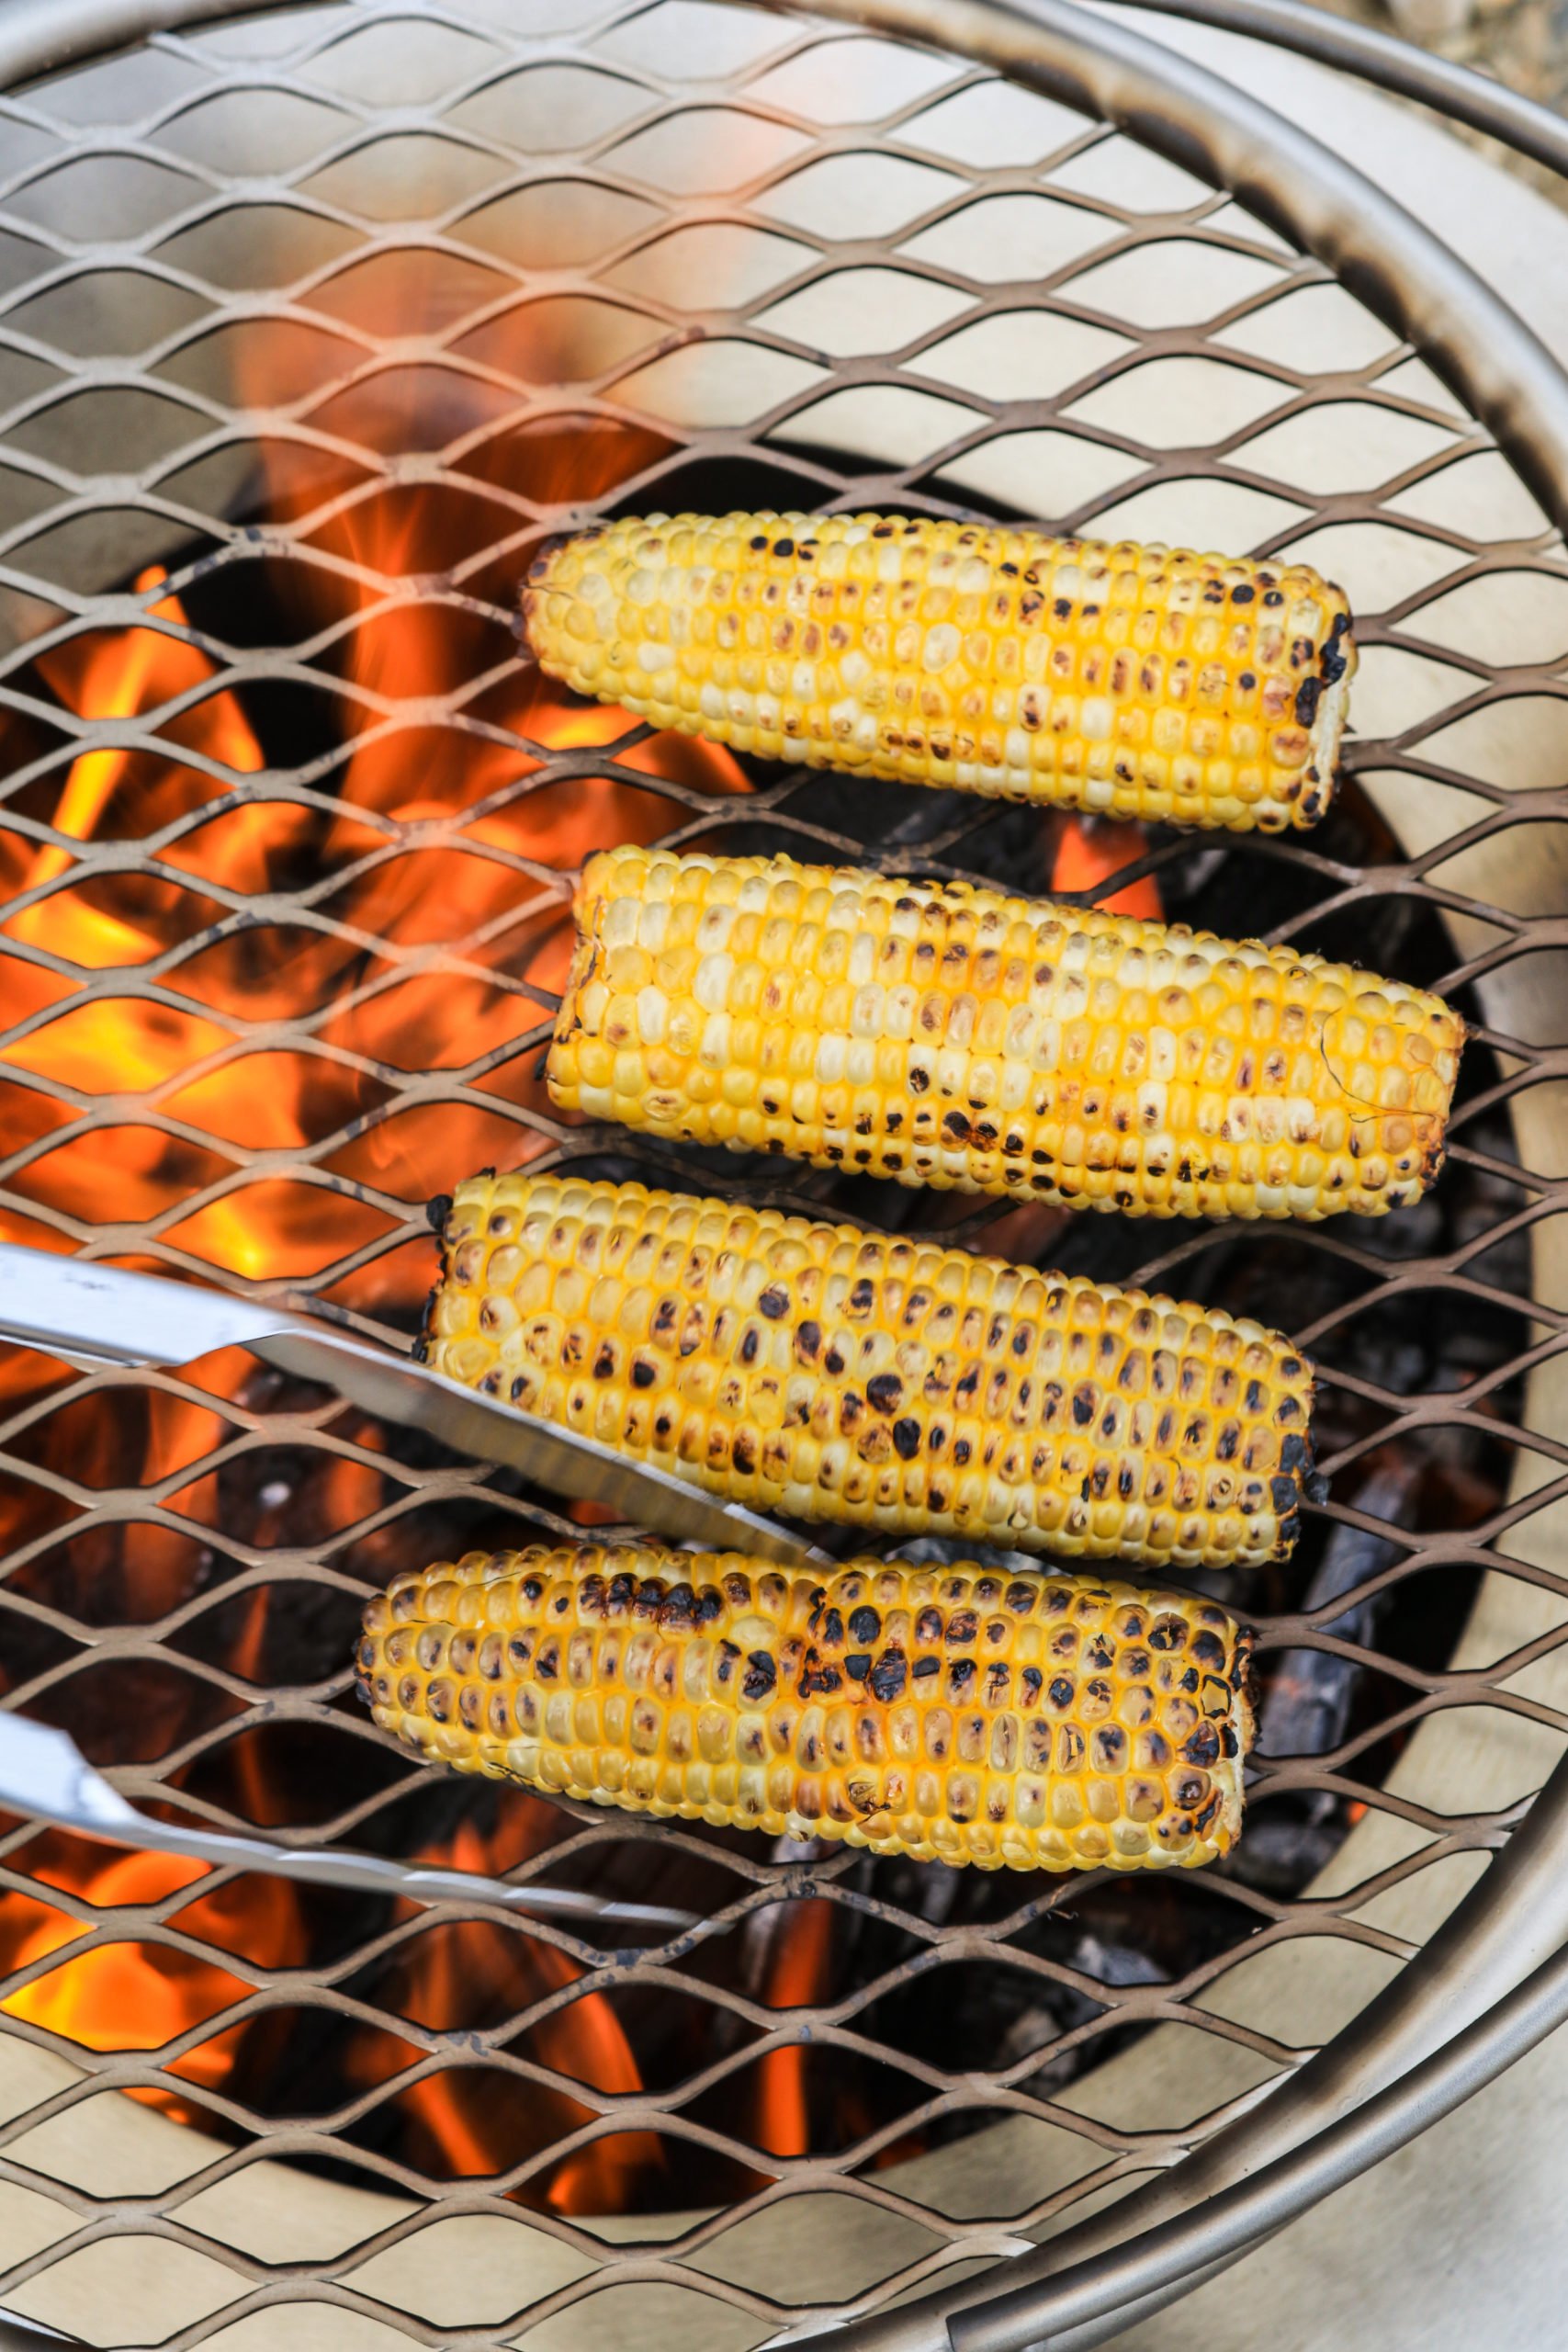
(1042, 1722)
(830, 1373)
(1144, 681)
(946, 1036)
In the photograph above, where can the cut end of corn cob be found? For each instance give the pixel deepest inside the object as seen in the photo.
(1138, 681)
(826, 1373)
(954, 1714)
(944, 1034)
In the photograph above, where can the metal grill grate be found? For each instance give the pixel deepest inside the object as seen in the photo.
(332, 313)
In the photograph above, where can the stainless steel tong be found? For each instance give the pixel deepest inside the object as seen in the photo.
(94, 1316)
(44, 1774)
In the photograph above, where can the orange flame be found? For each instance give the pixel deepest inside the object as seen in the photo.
(460, 1969)
(445, 850)
(117, 1995)
(799, 1975)
(1093, 848)
(125, 673)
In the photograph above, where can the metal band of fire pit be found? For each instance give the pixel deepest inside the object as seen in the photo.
(1519, 1913)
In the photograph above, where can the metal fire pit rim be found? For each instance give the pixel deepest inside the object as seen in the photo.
(49, 36)
(1044, 43)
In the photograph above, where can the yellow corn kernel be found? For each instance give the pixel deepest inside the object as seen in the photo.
(957, 1714)
(831, 1373)
(1141, 682)
(947, 1036)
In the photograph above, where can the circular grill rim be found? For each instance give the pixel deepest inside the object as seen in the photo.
(1517, 1914)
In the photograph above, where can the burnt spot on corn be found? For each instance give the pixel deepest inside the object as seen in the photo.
(890, 1676)
(758, 1681)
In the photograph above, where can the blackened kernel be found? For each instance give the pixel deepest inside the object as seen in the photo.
(760, 1677)
(890, 1676)
(1202, 1748)
(773, 1302)
(865, 1623)
(884, 1392)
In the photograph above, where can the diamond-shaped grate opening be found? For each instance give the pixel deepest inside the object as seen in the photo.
(330, 315)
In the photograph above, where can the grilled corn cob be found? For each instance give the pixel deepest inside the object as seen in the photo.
(1145, 682)
(1044, 1723)
(828, 1372)
(947, 1036)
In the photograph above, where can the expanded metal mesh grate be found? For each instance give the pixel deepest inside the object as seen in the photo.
(324, 318)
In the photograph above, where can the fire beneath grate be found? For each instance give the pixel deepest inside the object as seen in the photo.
(289, 834)
(1083, 1969)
